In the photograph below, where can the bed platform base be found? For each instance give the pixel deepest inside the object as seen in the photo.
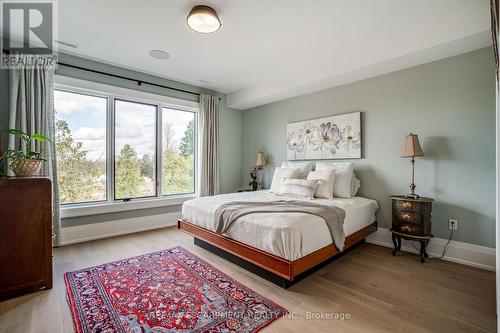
(269, 266)
(265, 274)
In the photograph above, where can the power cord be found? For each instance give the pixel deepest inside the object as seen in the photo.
(444, 249)
(446, 245)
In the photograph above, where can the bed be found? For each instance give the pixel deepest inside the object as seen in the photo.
(281, 247)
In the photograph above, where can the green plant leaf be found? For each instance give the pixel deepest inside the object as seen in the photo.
(18, 133)
(14, 131)
(39, 137)
(34, 155)
(29, 154)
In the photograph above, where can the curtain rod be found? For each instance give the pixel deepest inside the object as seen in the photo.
(139, 82)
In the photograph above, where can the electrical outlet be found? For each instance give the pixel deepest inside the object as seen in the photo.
(453, 224)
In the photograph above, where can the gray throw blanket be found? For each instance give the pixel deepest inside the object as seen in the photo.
(226, 214)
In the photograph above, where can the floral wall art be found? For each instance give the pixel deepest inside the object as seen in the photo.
(333, 137)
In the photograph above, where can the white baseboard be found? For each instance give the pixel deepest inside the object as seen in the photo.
(459, 252)
(87, 232)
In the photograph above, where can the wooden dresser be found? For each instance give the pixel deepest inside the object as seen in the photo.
(25, 235)
(411, 219)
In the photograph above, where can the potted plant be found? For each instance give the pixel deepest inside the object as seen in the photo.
(253, 175)
(27, 162)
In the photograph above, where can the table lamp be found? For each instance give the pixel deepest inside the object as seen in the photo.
(259, 164)
(412, 149)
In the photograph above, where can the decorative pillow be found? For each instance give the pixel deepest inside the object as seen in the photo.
(355, 185)
(302, 188)
(279, 178)
(325, 185)
(305, 167)
(343, 177)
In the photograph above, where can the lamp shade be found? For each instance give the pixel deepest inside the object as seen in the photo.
(412, 146)
(261, 159)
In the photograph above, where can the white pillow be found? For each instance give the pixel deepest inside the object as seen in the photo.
(355, 185)
(325, 186)
(279, 178)
(305, 167)
(302, 188)
(343, 177)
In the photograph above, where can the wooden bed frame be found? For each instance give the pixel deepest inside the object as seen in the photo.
(276, 269)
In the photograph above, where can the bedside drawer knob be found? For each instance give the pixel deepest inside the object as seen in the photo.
(406, 205)
(406, 228)
(406, 217)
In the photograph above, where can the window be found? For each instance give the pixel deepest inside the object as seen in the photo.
(135, 150)
(115, 145)
(178, 151)
(81, 146)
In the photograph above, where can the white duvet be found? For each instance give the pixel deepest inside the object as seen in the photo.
(287, 235)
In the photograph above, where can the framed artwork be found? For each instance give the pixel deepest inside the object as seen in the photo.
(335, 137)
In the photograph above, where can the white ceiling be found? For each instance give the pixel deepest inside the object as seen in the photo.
(270, 50)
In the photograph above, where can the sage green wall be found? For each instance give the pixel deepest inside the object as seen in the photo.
(449, 103)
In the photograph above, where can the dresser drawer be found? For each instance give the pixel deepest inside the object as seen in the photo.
(407, 217)
(408, 206)
(409, 229)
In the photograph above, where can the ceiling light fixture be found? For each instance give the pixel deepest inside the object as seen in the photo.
(203, 19)
(159, 54)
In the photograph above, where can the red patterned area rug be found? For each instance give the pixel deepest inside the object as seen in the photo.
(167, 291)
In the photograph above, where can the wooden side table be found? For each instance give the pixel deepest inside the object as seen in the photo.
(411, 220)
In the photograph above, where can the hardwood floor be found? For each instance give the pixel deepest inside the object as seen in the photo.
(381, 293)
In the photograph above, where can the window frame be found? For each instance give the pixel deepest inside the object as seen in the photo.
(113, 93)
(85, 203)
(196, 152)
(157, 181)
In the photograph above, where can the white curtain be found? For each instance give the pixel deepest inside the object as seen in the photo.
(31, 109)
(209, 142)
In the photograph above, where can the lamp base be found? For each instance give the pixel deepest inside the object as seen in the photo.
(260, 185)
(412, 195)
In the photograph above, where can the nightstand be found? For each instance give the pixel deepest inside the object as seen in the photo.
(411, 220)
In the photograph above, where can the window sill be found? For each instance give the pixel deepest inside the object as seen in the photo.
(113, 207)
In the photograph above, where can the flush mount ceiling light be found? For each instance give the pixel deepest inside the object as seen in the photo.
(203, 19)
(159, 54)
